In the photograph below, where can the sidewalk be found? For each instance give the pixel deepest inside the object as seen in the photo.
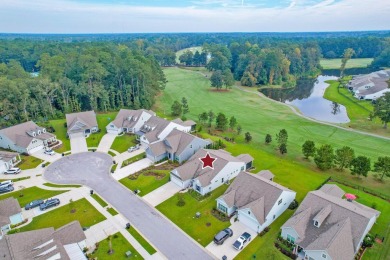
(162, 194)
(132, 168)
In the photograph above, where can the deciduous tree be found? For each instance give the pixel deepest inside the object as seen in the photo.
(324, 157)
(382, 109)
(382, 166)
(308, 149)
(232, 122)
(360, 165)
(176, 108)
(248, 137)
(221, 121)
(268, 139)
(344, 157)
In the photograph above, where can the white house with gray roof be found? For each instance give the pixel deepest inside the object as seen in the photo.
(370, 86)
(26, 137)
(325, 226)
(256, 200)
(66, 242)
(82, 123)
(191, 174)
(129, 121)
(8, 160)
(177, 146)
(10, 214)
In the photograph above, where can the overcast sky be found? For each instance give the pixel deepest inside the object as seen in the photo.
(129, 16)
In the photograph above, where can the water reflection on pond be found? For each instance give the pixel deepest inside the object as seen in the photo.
(307, 96)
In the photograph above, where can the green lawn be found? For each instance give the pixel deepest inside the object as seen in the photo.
(60, 186)
(30, 194)
(60, 132)
(103, 119)
(120, 246)
(259, 116)
(29, 162)
(85, 213)
(192, 49)
(112, 211)
(99, 200)
(17, 179)
(352, 63)
(145, 183)
(148, 247)
(133, 159)
(123, 142)
(184, 217)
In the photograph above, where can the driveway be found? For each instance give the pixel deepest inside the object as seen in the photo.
(92, 170)
(78, 144)
(48, 158)
(106, 142)
(227, 247)
(161, 194)
(132, 168)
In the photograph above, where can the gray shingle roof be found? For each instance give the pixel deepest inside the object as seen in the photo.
(245, 158)
(121, 119)
(7, 156)
(332, 189)
(8, 208)
(266, 174)
(81, 121)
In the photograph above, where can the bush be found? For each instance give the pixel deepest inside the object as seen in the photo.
(293, 205)
(368, 241)
(374, 205)
(262, 233)
(180, 202)
(65, 125)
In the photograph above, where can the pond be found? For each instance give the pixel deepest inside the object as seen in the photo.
(307, 96)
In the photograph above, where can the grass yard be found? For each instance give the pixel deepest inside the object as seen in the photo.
(102, 119)
(112, 211)
(259, 116)
(133, 159)
(30, 194)
(85, 213)
(192, 49)
(146, 183)
(123, 142)
(184, 217)
(28, 162)
(120, 246)
(17, 179)
(99, 200)
(61, 186)
(148, 247)
(60, 132)
(352, 63)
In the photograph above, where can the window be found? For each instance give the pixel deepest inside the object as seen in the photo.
(280, 201)
(290, 239)
(242, 168)
(316, 223)
(274, 216)
(249, 212)
(191, 146)
(222, 180)
(323, 255)
(222, 208)
(197, 187)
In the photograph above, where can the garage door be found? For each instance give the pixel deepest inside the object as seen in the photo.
(35, 149)
(176, 181)
(112, 131)
(247, 221)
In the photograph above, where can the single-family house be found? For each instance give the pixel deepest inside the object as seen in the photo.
(326, 226)
(10, 214)
(67, 242)
(256, 200)
(82, 123)
(26, 138)
(370, 86)
(204, 180)
(177, 146)
(188, 124)
(129, 121)
(8, 160)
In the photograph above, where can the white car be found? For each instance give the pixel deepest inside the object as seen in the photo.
(133, 148)
(6, 183)
(14, 170)
(242, 241)
(49, 152)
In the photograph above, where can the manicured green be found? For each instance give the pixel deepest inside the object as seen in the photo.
(17, 179)
(184, 217)
(29, 162)
(112, 153)
(148, 247)
(193, 49)
(261, 116)
(382, 225)
(120, 246)
(60, 132)
(102, 119)
(85, 213)
(99, 200)
(146, 184)
(113, 168)
(133, 159)
(123, 142)
(352, 63)
(112, 211)
(30, 194)
(61, 186)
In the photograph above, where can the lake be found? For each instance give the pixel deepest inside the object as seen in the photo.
(307, 96)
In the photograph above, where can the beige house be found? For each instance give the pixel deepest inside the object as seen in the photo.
(82, 123)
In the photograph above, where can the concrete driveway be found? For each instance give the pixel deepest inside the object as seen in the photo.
(48, 158)
(161, 194)
(132, 168)
(106, 142)
(78, 144)
(227, 247)
(92, 170)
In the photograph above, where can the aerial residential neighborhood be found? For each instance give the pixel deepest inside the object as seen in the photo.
(194, 130)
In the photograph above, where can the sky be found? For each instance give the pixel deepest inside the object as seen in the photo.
(147, 16)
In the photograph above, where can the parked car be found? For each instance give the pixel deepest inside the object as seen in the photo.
(133, 148)
(5, 189)
(49, 152)
(6, 183)
(33, 204)
(242, 241)
(49, 203)
(222, 236)
(13, 170)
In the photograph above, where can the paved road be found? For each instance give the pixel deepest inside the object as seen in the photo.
(92, 169)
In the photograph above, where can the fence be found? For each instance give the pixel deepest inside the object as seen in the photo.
(354, 101)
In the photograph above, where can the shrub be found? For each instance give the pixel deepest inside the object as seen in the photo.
(65, 125)
(374, 205)
(293, 205)
(180, 202)
(262, 233)
(368, 241)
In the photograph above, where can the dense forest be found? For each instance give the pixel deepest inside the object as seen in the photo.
(106, 72)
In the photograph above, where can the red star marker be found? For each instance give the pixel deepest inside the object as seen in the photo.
(208, 161)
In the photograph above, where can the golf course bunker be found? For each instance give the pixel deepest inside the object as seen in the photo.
(81, 168)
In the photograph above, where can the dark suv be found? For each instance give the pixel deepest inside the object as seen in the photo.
(33, 204)
(222, 236)
(49, 203)
(5, 189)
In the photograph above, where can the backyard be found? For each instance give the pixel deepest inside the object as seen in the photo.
(60, 132)
(123, 142)
(85, 213)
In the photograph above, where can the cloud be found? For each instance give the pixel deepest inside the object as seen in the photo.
(61, 16)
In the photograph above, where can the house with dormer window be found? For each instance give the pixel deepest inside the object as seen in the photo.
(82, 123)
(26, 138)
(129, 121)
